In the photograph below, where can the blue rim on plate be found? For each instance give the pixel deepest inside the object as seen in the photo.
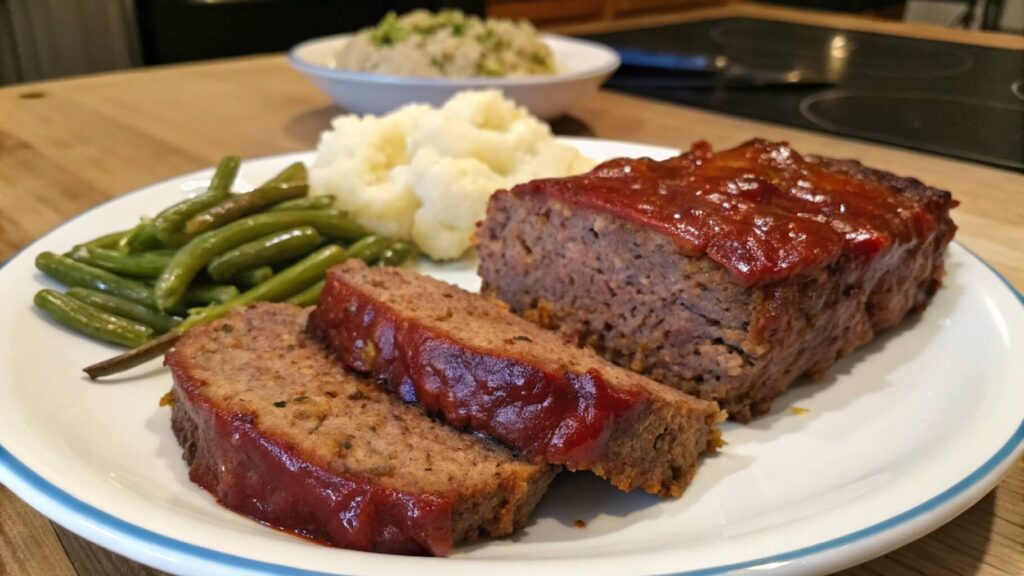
(102, 521)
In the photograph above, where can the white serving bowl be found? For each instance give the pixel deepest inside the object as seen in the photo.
(582, 67)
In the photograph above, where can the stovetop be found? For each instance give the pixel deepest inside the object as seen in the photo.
(957, 100)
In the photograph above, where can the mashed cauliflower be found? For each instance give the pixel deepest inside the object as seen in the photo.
(425, 174)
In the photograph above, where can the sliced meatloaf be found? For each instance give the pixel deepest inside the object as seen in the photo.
(275, 429)
(725, 274)
(468, 359)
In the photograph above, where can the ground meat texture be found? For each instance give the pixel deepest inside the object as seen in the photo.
(275, 429)
(469, 360)
(628, 288)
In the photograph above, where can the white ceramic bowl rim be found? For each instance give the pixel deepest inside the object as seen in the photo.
(609, 63)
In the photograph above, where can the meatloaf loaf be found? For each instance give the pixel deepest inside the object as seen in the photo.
(725, 274)
(468, 359)
(275, 429)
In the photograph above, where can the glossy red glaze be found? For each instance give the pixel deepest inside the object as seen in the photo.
(252, 472)
(760, 209)
(561, 418)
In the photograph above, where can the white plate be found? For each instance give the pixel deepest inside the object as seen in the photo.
(902, 437)
(581, 66)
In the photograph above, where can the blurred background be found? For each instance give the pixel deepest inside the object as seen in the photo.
(42, 39)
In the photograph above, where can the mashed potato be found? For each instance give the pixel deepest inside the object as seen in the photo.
(425, 174)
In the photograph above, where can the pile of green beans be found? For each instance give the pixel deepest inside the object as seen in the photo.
(218, 250)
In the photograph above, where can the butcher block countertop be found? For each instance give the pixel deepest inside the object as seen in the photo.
(68, 145)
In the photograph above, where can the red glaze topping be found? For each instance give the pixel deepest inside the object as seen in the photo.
(561, 418)
(760, 209)
(264, 478)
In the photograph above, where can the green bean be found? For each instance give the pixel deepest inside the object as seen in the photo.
(284, 284)
(281, 286)
(240, 205)
(253, 276)
(203, 294)
(294, 172)
(168, 224)
(368, 248)
(132, 358)
(90, 321)
(270, 249)
(106, 241)
(308, 203)
(288, 184)
(225, 173)
(309, 296)
(396, 254)
(171, 285)
(138, 265)
(158, 321)
(72, 273)
(142, 237)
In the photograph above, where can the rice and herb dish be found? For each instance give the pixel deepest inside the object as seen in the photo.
(448, 43)
(425, 174)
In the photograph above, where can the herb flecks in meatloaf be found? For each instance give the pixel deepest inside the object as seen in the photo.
(725, 274)
(275, 429)
(468, 359)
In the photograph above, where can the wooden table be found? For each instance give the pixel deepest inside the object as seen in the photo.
(68, 145)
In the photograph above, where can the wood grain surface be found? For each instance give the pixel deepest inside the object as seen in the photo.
(68, 145)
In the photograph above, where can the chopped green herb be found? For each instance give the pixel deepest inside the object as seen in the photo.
(345, 443)
(389, 31)
(512, 46)
(280, 404)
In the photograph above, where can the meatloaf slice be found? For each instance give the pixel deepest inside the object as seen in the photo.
(725, 274)
(275, 429)
(467, 358)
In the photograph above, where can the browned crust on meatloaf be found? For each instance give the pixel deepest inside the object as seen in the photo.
(470, 360)
(630, 293)
(275, 429)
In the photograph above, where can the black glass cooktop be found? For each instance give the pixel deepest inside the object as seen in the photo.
(958, 100)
